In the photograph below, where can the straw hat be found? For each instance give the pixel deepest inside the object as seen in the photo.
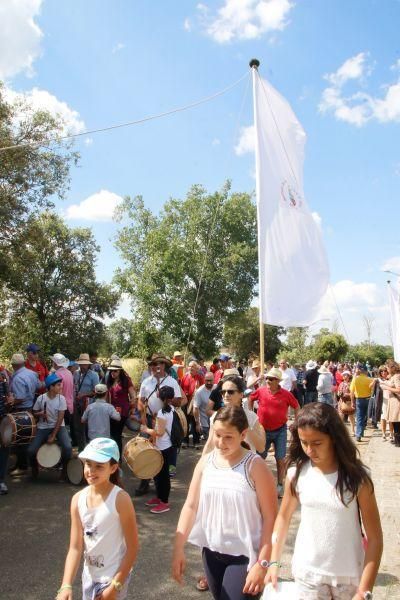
(158, 357)
(323, 369)
(84, 359)
(274, 374)
(115, 365)
(177, 354)
(232, 371)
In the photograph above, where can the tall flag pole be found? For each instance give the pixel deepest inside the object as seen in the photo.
(394, 299)
(293, 267)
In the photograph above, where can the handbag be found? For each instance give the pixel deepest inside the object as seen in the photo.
(346, 408)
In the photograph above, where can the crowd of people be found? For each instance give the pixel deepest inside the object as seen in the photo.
(233, 411)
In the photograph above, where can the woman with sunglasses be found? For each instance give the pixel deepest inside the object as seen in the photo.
(232, 390)
(122, 396)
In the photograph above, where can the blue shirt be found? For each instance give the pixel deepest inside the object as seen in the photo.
(23, 385)
(85, 382)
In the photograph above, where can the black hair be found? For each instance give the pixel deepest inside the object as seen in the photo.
(165, 394)
(215, 361)
(352, 473)
(236, 379)
(234, 416)
(123, 378)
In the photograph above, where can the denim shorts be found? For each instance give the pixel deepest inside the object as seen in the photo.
(278, 438)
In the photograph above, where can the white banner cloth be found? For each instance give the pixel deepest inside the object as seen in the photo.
(394, 298)
(293, 267)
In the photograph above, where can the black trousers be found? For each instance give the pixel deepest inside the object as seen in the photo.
(162, 480)
(226, 575)
(116, 429)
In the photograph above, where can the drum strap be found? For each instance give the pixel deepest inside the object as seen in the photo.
(151, 393)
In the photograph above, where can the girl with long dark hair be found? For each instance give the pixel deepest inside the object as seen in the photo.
(336, 495)
(122, 396)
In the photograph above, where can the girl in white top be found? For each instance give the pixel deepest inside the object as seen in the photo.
(232, 389)
(335, 494)
(103, 525)
(229, 512)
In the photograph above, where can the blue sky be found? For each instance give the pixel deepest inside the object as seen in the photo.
(337, 62)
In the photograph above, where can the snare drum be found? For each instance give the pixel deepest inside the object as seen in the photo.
(144, 460)
(17, 428)
(49, 455)
(75, 471)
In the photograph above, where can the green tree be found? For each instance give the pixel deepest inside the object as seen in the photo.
(52, 294)
(296, 347)
(242, 335)
(201, 248)
(368, 351)
(330, 346)
(32, 172)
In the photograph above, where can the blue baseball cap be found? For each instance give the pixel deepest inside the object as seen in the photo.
(33, 348)
(52, 379)
(101, 450)
(224, 357)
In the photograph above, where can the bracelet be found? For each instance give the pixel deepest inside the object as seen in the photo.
(275, 563)
(66, 586)
(117, 584)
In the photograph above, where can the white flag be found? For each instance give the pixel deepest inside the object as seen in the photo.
(293, 267)
(394, 298)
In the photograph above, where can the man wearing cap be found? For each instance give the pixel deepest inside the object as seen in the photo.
(273, 405)
(98, 414)
(24, 384)
(310, 382)
(60, 366)
(49, 409)
(224, 364)
(149, 402)
(34, 364)
(360, 393)
(85, 380)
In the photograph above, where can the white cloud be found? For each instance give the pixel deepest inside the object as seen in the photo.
(317, 218)
(20, 37)
(118, 47)
(245, 19)
(98, 207)
(359, 108)
(392, 264)
(247, 141)
(187, 25)
(43, 100)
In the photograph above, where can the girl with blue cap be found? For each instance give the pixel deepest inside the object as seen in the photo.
(103, 525)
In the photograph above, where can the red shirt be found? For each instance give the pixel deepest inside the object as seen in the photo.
(119, 397)
(218, 375)
(273, 408)
(189, 384)
(40, 369)
(214, 368)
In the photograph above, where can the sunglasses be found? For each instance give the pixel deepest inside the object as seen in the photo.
(272, 379)
(229, 392)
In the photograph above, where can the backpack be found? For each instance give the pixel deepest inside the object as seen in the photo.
(177, 434)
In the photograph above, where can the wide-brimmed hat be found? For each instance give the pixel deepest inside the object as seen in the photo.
(84, 359)
(161, 358)
(177, 353)
(274, 373)
(255, 364)
(346, 373)
(60, 360)
(323, 369)
(115, 365)
(311, 365)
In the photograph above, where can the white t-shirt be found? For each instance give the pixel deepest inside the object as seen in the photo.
(164, 441)
(148, 390)
(53, 406)
(252, 420)
(288, 376)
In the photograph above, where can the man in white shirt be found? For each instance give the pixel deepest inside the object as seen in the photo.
(289, 379)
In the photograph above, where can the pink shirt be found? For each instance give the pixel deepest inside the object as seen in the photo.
(67, 387)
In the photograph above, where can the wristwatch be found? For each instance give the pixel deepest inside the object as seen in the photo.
(366, 595)
(263, 563)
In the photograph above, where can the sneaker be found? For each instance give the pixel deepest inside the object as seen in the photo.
(3, 489)
(152, 502)
(160, 508)
(279, 489)
(184, 446)
(172, 470)
(384, 439)
(142, 490)
(358, 439)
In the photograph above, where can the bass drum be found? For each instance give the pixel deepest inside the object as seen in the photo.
(17, 428)
(75, 471)
(183, 421)
(144, 460)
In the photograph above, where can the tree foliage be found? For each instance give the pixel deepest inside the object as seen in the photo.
(374, 354)
(296, 347)
(52, 294)
(202, 248)
(32, 172)
(242, 335)
(330, 346)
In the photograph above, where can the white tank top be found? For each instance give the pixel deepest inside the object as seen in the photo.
(328, 545)
(228, 518)
(103, 536)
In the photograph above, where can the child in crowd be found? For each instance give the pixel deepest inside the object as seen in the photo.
(98, 414)
(337, 500)
(103, 524)
(229, 512)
